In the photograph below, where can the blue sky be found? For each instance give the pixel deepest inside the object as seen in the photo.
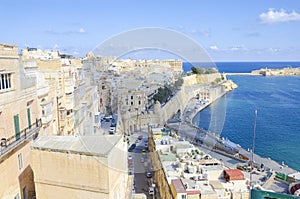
(227, 29)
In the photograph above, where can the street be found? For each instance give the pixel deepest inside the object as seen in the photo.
(141, 165)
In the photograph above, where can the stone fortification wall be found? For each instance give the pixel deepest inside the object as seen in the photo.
(201, 79)
(193, 85)
(178, 102)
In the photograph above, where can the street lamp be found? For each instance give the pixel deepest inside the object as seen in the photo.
(253, 145)
(137, 115)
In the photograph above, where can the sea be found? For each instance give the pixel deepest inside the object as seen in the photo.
(277, 102)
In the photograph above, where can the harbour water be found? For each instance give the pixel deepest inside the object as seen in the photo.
(278, 105)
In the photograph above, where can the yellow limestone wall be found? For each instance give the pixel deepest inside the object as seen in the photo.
(13, 179)
(68, 175)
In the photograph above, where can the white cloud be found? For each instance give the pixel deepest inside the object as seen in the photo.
(75, 52)
(228, 49)
(238, 48)
(81, 30)
(273, 16)
(235, 48)
(273, 50)
(214, 47)
(200, 32)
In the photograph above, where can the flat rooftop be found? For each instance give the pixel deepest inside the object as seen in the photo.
(169, 156)
(85, 145)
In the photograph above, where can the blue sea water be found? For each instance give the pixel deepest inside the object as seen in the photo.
(240, 67)
(277, 100)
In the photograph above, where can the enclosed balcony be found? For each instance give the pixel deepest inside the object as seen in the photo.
(69, 85)
(70, 122)
(46, 119)
(46, 111)
(69, 101)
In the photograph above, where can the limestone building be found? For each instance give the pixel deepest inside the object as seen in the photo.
(19, 124)
(80, 167)
(67, 93)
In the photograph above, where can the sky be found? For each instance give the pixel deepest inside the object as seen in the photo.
(229, 30)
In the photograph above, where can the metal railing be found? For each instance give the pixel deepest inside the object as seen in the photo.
(9, 143)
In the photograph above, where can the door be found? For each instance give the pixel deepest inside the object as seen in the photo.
(17, 127)
(28, 117)
(24, 193)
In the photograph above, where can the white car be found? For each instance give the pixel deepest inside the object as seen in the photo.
(151, 191)
(112, 130)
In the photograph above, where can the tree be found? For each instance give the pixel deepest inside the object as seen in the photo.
(198, 70)
(203, 70)
(178, 83)
(163, 93)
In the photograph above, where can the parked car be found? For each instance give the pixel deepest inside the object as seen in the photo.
(130, 171)
(140, 137)
(130, 161)
(151, 191)
(131, 147)
(149, 175)
(113, 123)
(108, 118)
(112, 130)
(144, 151)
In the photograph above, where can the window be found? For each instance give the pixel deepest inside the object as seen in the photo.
(139, 102)
(5, 81)
(69, 111)
(20, 161)
(131, 103)
(183, 196)
(131, 96)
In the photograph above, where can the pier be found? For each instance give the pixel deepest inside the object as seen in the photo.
(242, 74)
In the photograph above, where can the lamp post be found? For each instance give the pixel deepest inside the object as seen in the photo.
(253, 145)
(137, 117)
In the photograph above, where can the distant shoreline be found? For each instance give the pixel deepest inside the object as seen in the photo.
(288, 71)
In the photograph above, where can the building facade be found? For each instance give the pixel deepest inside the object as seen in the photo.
(19, 124)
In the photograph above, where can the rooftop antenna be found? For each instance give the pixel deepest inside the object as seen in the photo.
(253, 145)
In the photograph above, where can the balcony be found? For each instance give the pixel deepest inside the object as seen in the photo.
(11, 143)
